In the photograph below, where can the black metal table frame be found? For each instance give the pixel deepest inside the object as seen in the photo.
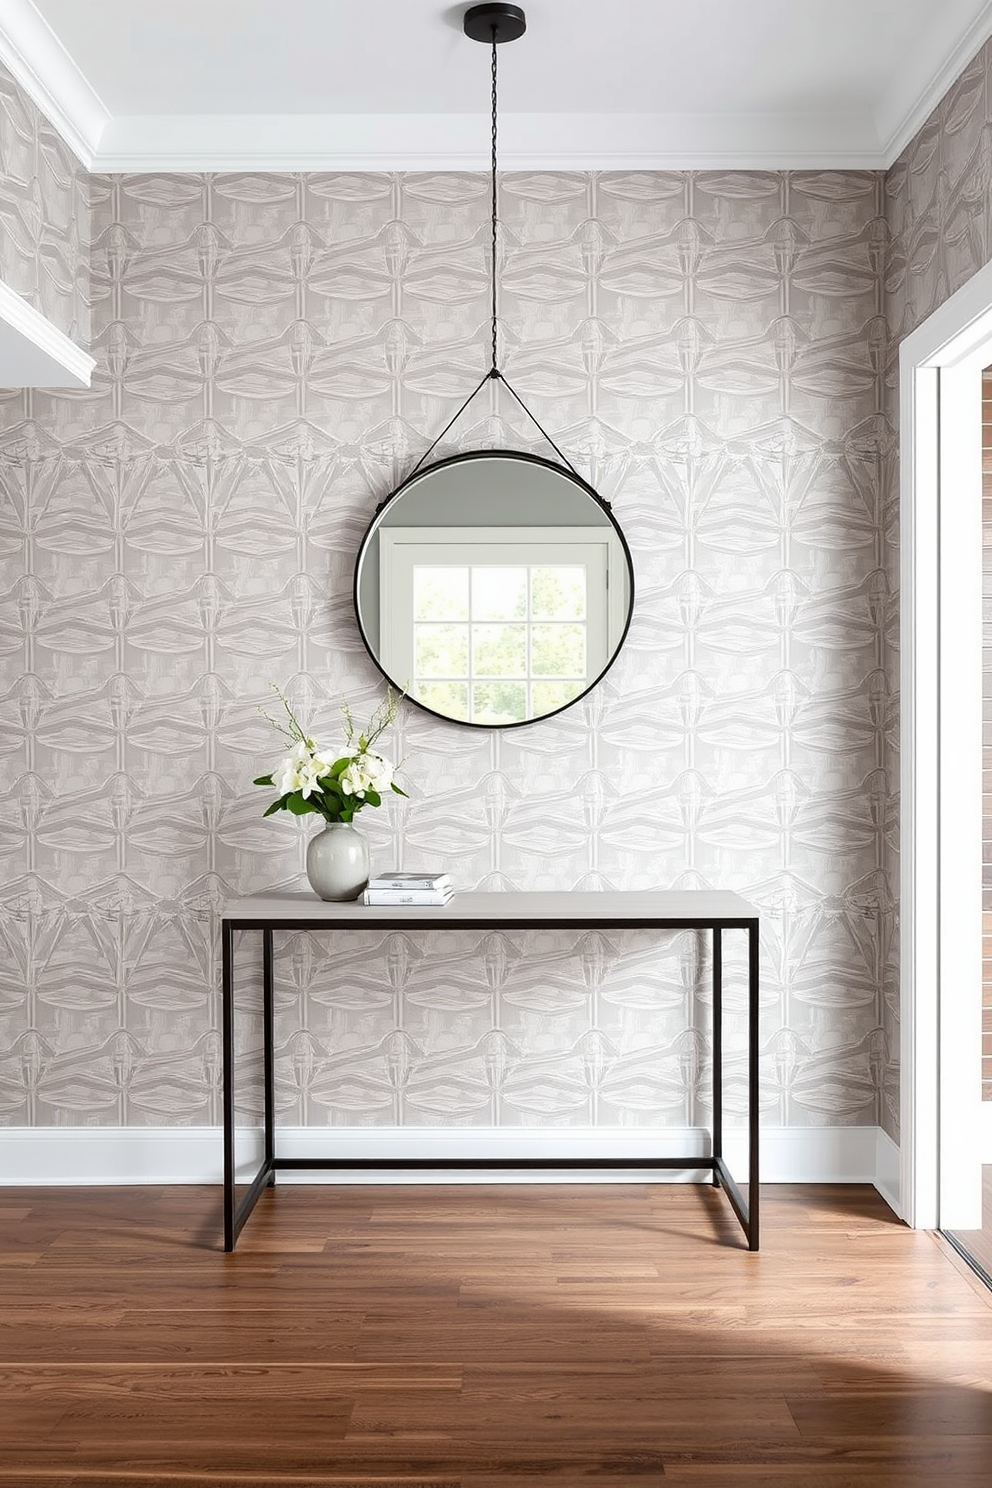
(235, 1215)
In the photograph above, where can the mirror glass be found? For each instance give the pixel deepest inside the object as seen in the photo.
(494, 588)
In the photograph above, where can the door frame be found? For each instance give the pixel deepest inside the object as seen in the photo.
(940, 366)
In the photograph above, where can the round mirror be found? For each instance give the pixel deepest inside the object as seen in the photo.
(494, 588)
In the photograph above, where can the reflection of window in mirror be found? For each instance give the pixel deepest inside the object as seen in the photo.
(496, 625)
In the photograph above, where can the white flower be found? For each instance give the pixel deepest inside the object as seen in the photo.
(302, 769)
(380, 772)
(354, 780)
(286, 776)
(309, 775)
(366, 772)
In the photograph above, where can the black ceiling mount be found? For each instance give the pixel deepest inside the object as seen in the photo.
(491, 23)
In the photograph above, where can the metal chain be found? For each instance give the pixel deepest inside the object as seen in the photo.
(495, 362)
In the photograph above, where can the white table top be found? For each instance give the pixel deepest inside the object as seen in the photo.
(644, 907)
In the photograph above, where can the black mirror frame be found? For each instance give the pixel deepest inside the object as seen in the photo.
(460, 459)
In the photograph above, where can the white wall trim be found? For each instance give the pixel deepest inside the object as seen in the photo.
(940, 975)
(916, 92)
(960, 869)
(918, 797)
(869, 140)
(371, 142)
(34, 352)
(136, 1155)
(887, 1170)
(38, 61)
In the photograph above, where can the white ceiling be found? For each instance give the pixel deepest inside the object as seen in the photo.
(395, 84)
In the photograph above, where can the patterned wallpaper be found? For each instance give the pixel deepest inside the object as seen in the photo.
(274, 352)
(44, 215)
(718, 354)
(939, 205)
(940, 208)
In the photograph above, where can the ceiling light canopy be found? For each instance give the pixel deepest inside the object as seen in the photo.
(494, 23)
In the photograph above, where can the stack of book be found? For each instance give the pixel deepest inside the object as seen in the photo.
(409, 888)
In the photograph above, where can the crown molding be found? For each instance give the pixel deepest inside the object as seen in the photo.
(38, 61)
(33, 352)
(912, 98)
(425, 142)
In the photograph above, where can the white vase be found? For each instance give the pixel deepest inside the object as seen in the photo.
(338, 861)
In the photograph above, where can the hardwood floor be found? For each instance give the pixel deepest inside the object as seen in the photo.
(483, 1336)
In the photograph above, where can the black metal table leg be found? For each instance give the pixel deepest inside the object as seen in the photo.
(717, 1054)
(746, 1211)
(753, 1113)
(227, 1015)
(268, 1055)
(236, 1214)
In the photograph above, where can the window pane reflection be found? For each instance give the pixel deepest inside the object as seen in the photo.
(499, 702)
(499, 594)
(448, 698)
(440, 593)
(558, 651)
(441, 651)
(499, 650)
(558, 593)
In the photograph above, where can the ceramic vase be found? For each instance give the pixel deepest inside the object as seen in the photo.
(338, 862)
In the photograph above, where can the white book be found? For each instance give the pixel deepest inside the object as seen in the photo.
(384, 897)
(405, 881)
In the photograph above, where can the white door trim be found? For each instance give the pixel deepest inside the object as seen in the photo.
(940, 980)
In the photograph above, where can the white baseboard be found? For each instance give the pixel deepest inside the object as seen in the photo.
(887, 1170)
(137, 1155)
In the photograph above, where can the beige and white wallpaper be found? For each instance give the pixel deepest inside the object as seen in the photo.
(939, 204)
(274, 352)
(717, 353)
(44, 215)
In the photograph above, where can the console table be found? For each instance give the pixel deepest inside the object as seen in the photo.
(714, 911)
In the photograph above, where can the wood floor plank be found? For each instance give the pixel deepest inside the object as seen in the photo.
(472, 1337)
(870, 1415)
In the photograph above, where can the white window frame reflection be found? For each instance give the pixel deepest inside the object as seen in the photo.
(595, 549)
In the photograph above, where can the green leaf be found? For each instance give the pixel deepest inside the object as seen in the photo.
(399, 792)
(279, 805)
(372, 798)
(263, 780)
(298, 805)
